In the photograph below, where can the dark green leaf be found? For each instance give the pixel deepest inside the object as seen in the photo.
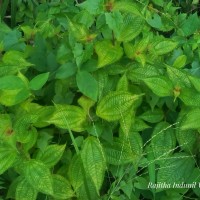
(87, 84)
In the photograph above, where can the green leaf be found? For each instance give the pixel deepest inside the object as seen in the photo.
(140, 73)
(93, 7)
(122, 84)
(13, 97)
(132, 26)
(134, 51)
(94, 162)
(81, 181)
(62, 188)
(15, 58)
(156, 22)
(195, 82)
(126, 122)
(178, 170)
(87, 84)
(114, 105)
(69, 117)
(5, 124)
(163, 140)
(25, 191)
(165, 47)
(124, 150)
(86, 103)
(152, 116)
(79, 31)
(191, 120)
(190, 25)
(13, 90)
(161, 86)
(11, 83)
(7, 156)
(107, 52)
(180, 61)
(39, 176)
(66, 70)
(139, 125)
(12, 41)
(178, 77)
(51, 154)
(114, 21)
(127, 7)
(23, 127)
(186, 94)
(38, 82)
(187, 139)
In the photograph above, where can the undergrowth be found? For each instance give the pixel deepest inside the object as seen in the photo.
(99, 99)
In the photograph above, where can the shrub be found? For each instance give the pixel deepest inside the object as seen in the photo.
(99, 99)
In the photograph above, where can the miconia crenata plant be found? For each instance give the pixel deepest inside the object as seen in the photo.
(99, 99)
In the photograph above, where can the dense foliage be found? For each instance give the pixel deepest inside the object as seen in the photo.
(99, 99)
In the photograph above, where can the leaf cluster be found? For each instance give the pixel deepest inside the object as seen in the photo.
(99, 99)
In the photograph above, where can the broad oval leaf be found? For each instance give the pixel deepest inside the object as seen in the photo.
(161, 86)
(87, 84)
(124, 150)
(178, 77)
(131, 27)
(140, 73)
(94, 161)
(163, 140)
(23, 127)
(107, 52)
(13, 97)
(81, 181)
(11, 82)
(39, 176)
(25, 191)
(180, 61)
(69, 117)
(8, 156)
(61, 188)
(195, 82)
(5, 124)
(12, 90)
(38, 82)
(152, 116)
(191, 120)
(114, 105)
(165, 47)
(51, 154)
(188, 140)
(176, 169)
(186, 94)
(127, 7)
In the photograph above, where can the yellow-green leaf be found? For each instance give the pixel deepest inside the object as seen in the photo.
(7, 156)
(180, 61)
(39, 176)
(107, 52)
(61, 188)
(94, 161)
(127, 7)
(114, 105)
(163, 140)
(51, 155)
(165, 47)
(69, 117)
(191, 120)
(131, 27)
(195, 82)
(25, 191)
(161, 86)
